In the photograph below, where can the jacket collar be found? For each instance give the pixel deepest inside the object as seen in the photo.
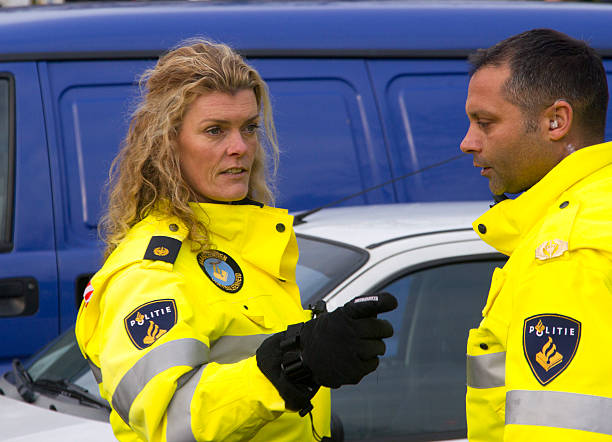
(509, 221)
(262, 235)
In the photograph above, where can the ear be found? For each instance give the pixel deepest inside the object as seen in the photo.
(558, 119)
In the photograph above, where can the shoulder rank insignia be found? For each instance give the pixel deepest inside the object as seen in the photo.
(551, 249)
(222, 270)
(550, 343)
(149, 322)
(163, 248)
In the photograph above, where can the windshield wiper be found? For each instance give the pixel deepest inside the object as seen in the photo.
(23, 382)
(27, 388)
(64, 388)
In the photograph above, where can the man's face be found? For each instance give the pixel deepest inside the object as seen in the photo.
(510, 156)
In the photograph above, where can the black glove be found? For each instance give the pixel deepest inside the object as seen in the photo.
(343, 346)
(333, 349)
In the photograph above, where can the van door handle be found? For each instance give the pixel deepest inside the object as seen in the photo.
(18, 296)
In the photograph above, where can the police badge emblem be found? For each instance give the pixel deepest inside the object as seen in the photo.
(550, 342)
(222, 270)
(149, 322)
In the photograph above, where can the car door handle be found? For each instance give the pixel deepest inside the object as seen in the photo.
(18, 296)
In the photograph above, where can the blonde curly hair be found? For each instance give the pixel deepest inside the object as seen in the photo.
(146, 173)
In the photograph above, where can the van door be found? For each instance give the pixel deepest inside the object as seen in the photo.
(608, 67)
(329, 131)
(89, 104)
(28, 267)
(422, 106)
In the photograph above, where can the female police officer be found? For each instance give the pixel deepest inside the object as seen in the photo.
(194, 327)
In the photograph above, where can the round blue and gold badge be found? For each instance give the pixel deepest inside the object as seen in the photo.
(222, 270)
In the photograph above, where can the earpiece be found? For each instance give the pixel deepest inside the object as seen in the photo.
(554, 124)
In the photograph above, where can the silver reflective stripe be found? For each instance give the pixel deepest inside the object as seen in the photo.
(225, 350)
(559, 410)
(190, 352)
(179, 410)
(486, 371)
(97, 373)
(230, 349)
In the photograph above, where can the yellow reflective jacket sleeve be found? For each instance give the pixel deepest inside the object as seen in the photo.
(175, 350)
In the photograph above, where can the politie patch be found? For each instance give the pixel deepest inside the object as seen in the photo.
(550, 342)
(149, 322)
(222, 270)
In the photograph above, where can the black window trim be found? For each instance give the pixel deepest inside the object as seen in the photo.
(6, 236)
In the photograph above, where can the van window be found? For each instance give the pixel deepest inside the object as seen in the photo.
(5, 162)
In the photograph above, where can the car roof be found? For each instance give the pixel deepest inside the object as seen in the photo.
(290, 29)
(372, 225)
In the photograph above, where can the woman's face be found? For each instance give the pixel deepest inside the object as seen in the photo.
(217, 144)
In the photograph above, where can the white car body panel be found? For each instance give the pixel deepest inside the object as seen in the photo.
(362, 226)
(22, 422)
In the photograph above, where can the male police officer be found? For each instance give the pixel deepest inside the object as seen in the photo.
(539, 364)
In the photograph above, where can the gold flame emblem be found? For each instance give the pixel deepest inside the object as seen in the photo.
(161, 251)
(549, 357)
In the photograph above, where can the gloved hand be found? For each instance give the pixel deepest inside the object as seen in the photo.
(334, 349)
(343, 346)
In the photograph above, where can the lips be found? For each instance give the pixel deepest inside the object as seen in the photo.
(234, 171)
(483, 169)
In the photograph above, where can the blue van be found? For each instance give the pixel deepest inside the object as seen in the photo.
(363, 92)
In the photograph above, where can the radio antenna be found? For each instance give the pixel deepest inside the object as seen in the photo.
(300, 217)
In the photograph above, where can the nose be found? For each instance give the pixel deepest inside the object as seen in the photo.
(471, 142)
(237, 145)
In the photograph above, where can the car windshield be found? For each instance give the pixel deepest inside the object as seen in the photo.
(322, 266)
(60, 360)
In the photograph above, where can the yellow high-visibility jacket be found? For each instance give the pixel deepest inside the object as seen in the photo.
(171, 334)
(539, 365)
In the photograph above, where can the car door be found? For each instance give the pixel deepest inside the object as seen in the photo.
(28, 268)
(418, 390)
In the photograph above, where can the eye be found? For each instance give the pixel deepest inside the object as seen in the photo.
(213, 130)
(483, 124)
(251, 128)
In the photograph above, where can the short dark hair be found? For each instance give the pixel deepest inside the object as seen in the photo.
(546, 65)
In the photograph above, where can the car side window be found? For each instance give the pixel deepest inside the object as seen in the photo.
(5, 162)
(418, 390)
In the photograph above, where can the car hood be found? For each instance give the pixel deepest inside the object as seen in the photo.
(22, 422)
